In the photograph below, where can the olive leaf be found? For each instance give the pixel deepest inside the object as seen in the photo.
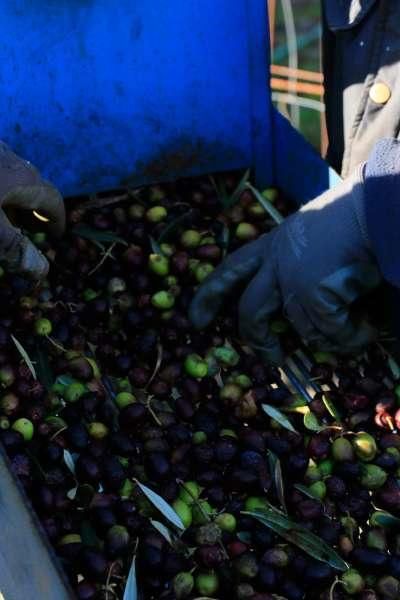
(174, 225)
(155, 246)
(71, 494)
(165, 509)
(25, 356)
(299, 536)
(306, 491)
(163, 530)
(65, 380)
(43, 369)
(266, 204)
(311, 422)
(224, 241)
(394, 367)
(276, 473)
(244, 536)
(385, 519)
(229, 201)
(331, 408)
(94, 235)
(69, 461)
(279, 417)
(131, 589)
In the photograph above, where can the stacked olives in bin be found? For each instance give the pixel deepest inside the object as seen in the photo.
(141, 441)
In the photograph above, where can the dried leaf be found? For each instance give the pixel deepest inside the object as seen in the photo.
(95, 235)
(25, 356)
(299, 536)
(163, 530)
(165, 509)
(131, 589)
(266, 204)
(276, 474)
(69, 461)
(331, 408)
(279, 417)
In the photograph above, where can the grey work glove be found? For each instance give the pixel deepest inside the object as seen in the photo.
(22, 190)
(314, 265)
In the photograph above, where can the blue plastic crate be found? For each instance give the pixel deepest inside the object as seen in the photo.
(103, 93)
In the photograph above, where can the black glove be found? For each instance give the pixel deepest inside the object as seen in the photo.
(313, 266)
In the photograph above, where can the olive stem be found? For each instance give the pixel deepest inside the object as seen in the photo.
(110, 570)
(55, 344)
(333, 586)
(157, 366)
(152, 412)
(106, 254)
(57, 433)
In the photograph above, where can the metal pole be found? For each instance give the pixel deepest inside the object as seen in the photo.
(272, 15)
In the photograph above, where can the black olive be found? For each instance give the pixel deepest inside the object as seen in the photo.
(368, 558)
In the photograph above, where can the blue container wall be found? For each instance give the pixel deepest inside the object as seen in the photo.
(98, 93)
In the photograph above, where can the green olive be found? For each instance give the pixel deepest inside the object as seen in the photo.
(190, 491)
(183, 511)
(190, 238)
(372, 477)
(124, 398)
(25, 428)
(255, 503)
(195, 366)
(199, 437)
(202, 512)
(43, 327)
(342, 450)
(159, 264)
(163, 300)
(227, 522)
(246, 231)
(352, 581)
(318, 489)
(183, 585)
(206, 583)
(97, 430)
(365, 446)
(74, 391)
(202, 271)
(270, 194)
(156, 214)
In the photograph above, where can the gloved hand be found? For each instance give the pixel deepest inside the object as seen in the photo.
(23, 189)
(314, 265)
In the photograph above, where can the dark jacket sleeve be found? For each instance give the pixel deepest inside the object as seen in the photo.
(361, 53)
(382, 205)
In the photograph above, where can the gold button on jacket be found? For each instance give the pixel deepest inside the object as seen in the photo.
(380, 93)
